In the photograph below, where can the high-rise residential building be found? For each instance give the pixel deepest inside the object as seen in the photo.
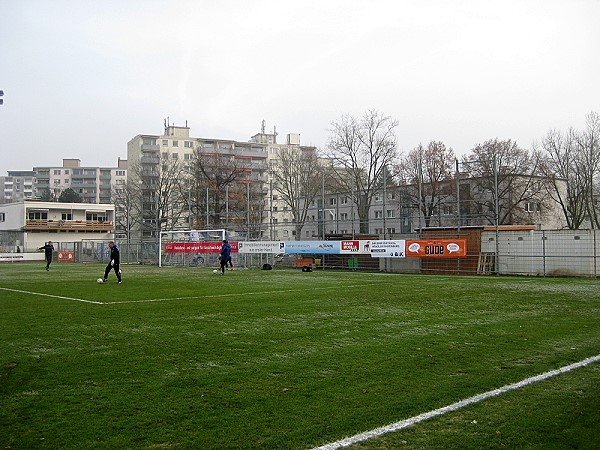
(251, 205)
(279, 217)
(17, 186)
(149, 156)
(92, 184)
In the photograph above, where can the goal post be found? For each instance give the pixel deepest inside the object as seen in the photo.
(189, 247)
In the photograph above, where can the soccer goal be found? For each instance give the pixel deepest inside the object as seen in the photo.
(191, 248)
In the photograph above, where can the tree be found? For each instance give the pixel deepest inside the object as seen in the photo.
(159, 185)
(589, 149)
(428, 171)
(128, 212)
(519, 183)
(69, 196)
(297, 178)
(566, 183)
(47, 195)
(217, 187)
(572, 165)
(360, 150)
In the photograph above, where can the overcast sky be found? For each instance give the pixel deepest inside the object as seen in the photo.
(81, 78)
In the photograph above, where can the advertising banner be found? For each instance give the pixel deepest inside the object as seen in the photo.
(312, 247)
(66, 256)
(17, 257)
(261, 247)
(197, 247)
(388, 249)
(436, 248)
(357, 247)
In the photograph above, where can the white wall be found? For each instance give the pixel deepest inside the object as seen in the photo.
(545, 252)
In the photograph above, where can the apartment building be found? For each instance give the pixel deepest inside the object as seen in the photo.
(278, 217)
(93, 184)
(147, 155)
(17, 186)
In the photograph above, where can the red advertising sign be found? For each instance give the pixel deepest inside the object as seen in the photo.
(436, 248)
(197, 247)
(66, 256)
(349, 246)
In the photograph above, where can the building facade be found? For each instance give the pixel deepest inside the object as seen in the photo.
(150, 155)
(17, 186)
(28, 224)
(92, 184)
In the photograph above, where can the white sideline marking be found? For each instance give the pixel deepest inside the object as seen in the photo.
(453, 407)
(53, 296)
(281, 291)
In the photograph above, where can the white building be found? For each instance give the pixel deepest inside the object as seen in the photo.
(29, 224)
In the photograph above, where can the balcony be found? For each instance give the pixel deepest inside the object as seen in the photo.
(67, 225)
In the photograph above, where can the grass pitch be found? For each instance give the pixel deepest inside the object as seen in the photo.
(182, 358)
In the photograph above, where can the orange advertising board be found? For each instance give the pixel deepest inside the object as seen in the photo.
(436, 248)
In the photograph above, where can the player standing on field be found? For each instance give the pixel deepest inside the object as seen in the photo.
(48, 249)
(225, 255)
(114, 262)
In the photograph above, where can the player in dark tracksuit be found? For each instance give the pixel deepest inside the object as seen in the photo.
(225, 255)
(48, 249)
(114, 262)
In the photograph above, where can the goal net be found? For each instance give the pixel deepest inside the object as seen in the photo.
(191, 248)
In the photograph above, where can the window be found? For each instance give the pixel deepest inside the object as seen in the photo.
(120, 173)
(165, 155)
(378, 214)
(2, 217)
(343, 216)
(344, 201)
(57, 181)
(333, 201)
(175, 156)
(446, 210)
(378, 197)
(187, 156)
(67, 216)
(66, 181)
(389, 214)
(532, 207)
(66, 171)
(165, 142)
(188, 144)
(391, 231)
(175, 143)
(37, 215)
(57, 172)
(98, 217)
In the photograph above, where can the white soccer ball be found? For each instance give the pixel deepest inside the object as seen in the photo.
(99, 280)
(215, 271)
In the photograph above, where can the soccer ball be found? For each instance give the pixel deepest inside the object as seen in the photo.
(99, 280)
(215, 271)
